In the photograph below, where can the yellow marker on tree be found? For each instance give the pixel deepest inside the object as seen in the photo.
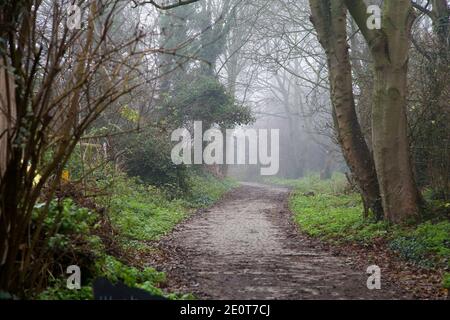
(65, 176)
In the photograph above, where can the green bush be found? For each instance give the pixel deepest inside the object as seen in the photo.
(138, 211)
(68, 234)
(58, 290)
(70, 238)
(68, 217)
(149, 158)
(148, 279)
(109, 267)
(204, 98)
(427, 245)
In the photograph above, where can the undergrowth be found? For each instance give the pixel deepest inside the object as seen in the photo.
(137, 213)
(143, 212)
(326, 209)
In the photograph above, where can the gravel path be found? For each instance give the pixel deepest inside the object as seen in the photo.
(245, 247)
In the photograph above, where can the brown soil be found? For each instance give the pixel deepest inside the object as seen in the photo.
(246, 247)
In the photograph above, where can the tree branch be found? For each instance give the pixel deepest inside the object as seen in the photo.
(178, 3)
(358, 10)
(422, 9)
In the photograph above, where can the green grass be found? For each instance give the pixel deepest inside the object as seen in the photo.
(205, 189)
(144, 213)
(336, 185)
(327, 210)
(337, 218)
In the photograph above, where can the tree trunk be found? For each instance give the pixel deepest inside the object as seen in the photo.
(329, 19)
(390, 143)
(389, 48)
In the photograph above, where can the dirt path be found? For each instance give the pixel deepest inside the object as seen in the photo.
(245, 247)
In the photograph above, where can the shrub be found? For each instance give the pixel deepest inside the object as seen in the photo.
(149, 158)
(427, 245)
(67, 236)
(109, 267)
(337, 218)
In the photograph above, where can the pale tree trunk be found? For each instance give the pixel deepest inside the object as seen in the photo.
(389, 47)
(329, 19)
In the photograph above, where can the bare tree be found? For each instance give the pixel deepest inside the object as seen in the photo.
(329, 19)
(55, 81)
(390, 47)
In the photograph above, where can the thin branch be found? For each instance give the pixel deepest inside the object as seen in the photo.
(162, 6)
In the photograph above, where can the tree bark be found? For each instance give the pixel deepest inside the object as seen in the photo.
(329, 19)
(389, 47)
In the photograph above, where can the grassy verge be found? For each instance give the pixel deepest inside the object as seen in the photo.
(145, 213)
(137, 213)
(327, 210)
